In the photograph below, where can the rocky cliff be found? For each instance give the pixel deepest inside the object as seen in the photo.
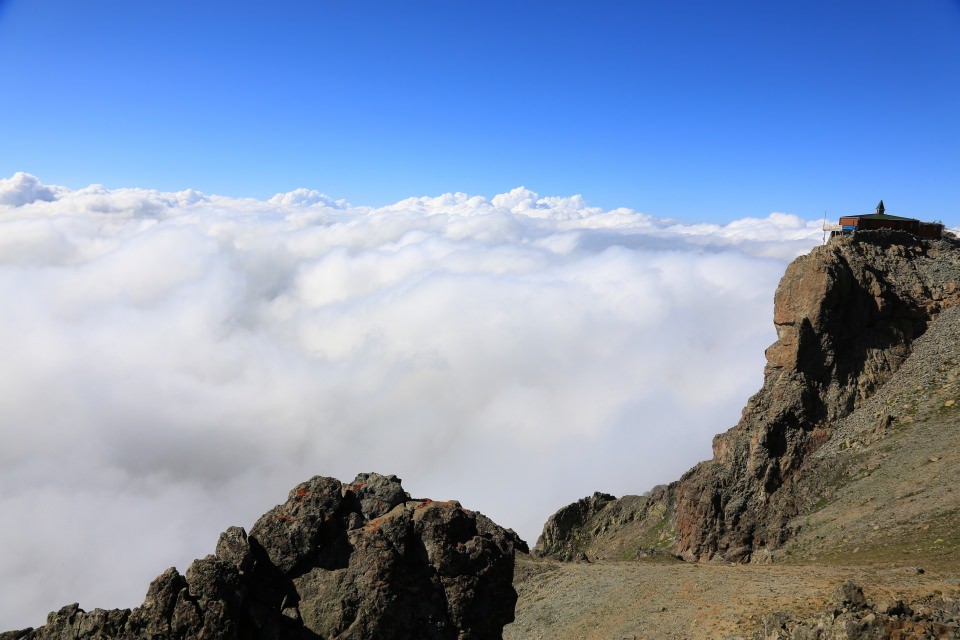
(847, 316)
(354, 561)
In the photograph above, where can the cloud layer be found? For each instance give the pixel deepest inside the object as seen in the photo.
(175, 362)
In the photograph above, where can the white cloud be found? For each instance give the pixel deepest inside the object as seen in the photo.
(24, 188)
(174, 362)
(306, 198)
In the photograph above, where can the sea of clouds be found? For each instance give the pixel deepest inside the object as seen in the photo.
(173, 363)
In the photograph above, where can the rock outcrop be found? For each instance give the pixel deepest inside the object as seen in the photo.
(852, 617)
(846, 315)
(355, 561)
(565, 532)
(605, 527)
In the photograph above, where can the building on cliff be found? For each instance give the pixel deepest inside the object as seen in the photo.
(882, 220)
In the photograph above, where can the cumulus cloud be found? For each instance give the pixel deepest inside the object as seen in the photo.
(307, 198)
(24, 188)
(174, 362)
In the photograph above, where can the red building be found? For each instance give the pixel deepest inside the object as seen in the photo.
(882, 220)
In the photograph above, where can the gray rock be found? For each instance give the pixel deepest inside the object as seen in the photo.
(852, 618)
(377, 494)
(849, 595)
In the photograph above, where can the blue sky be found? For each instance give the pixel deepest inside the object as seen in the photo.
(694, 110)
(174, 363)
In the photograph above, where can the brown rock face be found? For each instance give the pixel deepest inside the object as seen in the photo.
(353, 562)
(846, 316)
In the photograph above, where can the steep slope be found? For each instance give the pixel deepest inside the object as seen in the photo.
(354, 561)
(847, 316)
(884, 487)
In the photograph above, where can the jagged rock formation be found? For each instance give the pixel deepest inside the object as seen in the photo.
(846, 315)
(355, 562)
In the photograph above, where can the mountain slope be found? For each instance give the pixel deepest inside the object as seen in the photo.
(884, 486)
(847, 315)
(843, 466)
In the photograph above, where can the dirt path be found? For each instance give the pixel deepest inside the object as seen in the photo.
(634, 600)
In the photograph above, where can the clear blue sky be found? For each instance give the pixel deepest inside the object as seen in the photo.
(699, 110)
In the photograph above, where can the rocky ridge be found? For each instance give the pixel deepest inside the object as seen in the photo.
(350, 562)
(847, 316)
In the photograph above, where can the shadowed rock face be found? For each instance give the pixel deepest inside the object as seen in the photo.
(846, 316)
(354, 561)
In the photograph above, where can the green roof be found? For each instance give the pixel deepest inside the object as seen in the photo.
(879, 216)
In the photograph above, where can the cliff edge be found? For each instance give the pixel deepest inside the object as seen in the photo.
(847, 316)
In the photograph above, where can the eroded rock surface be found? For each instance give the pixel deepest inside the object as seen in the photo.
(352, 562)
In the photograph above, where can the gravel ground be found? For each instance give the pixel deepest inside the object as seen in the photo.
(634, 600)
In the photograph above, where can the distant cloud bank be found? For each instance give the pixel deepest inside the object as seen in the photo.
(174, 362)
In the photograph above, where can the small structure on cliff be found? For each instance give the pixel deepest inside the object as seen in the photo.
(882, 220)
